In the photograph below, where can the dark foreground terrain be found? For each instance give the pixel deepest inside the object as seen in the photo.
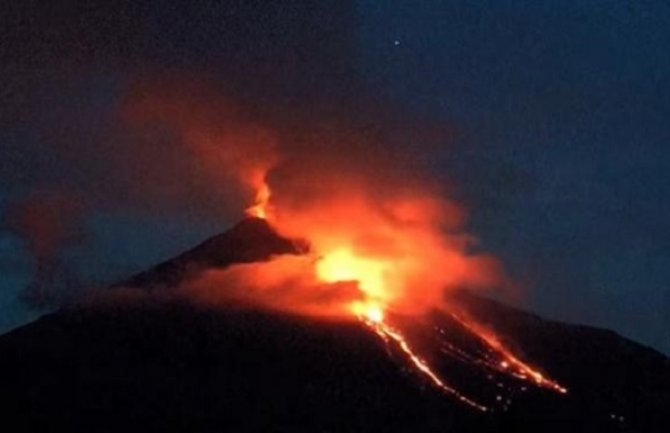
(143, 364)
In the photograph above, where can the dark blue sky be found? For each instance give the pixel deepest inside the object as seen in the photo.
(563, 143)
(559, 112)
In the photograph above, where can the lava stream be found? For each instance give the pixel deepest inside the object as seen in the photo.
(510, 364)
(374, 318)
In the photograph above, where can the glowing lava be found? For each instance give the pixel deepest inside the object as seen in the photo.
(510, 363)
(387, 333)
(343, 266)
(370, 275)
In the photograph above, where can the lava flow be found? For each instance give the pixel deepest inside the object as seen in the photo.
(374, 318)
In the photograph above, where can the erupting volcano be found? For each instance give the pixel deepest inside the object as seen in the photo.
(345, 300)
(371, 184)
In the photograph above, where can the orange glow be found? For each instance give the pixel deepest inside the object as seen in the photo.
(260, 207)
(368, 311)
(400, 261)
(342, 265)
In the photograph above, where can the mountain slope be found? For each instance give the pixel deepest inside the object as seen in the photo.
(154, 364)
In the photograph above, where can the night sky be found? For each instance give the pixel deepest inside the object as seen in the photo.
(558, 118)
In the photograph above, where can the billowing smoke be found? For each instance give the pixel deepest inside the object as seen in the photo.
(381, 233)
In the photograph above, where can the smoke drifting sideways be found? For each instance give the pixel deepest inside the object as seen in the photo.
(49, 223)
(381, 235)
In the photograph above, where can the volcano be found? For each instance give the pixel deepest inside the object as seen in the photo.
(140, 361)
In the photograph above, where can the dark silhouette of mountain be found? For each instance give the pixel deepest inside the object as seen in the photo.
(157, 364)
(250, 241)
